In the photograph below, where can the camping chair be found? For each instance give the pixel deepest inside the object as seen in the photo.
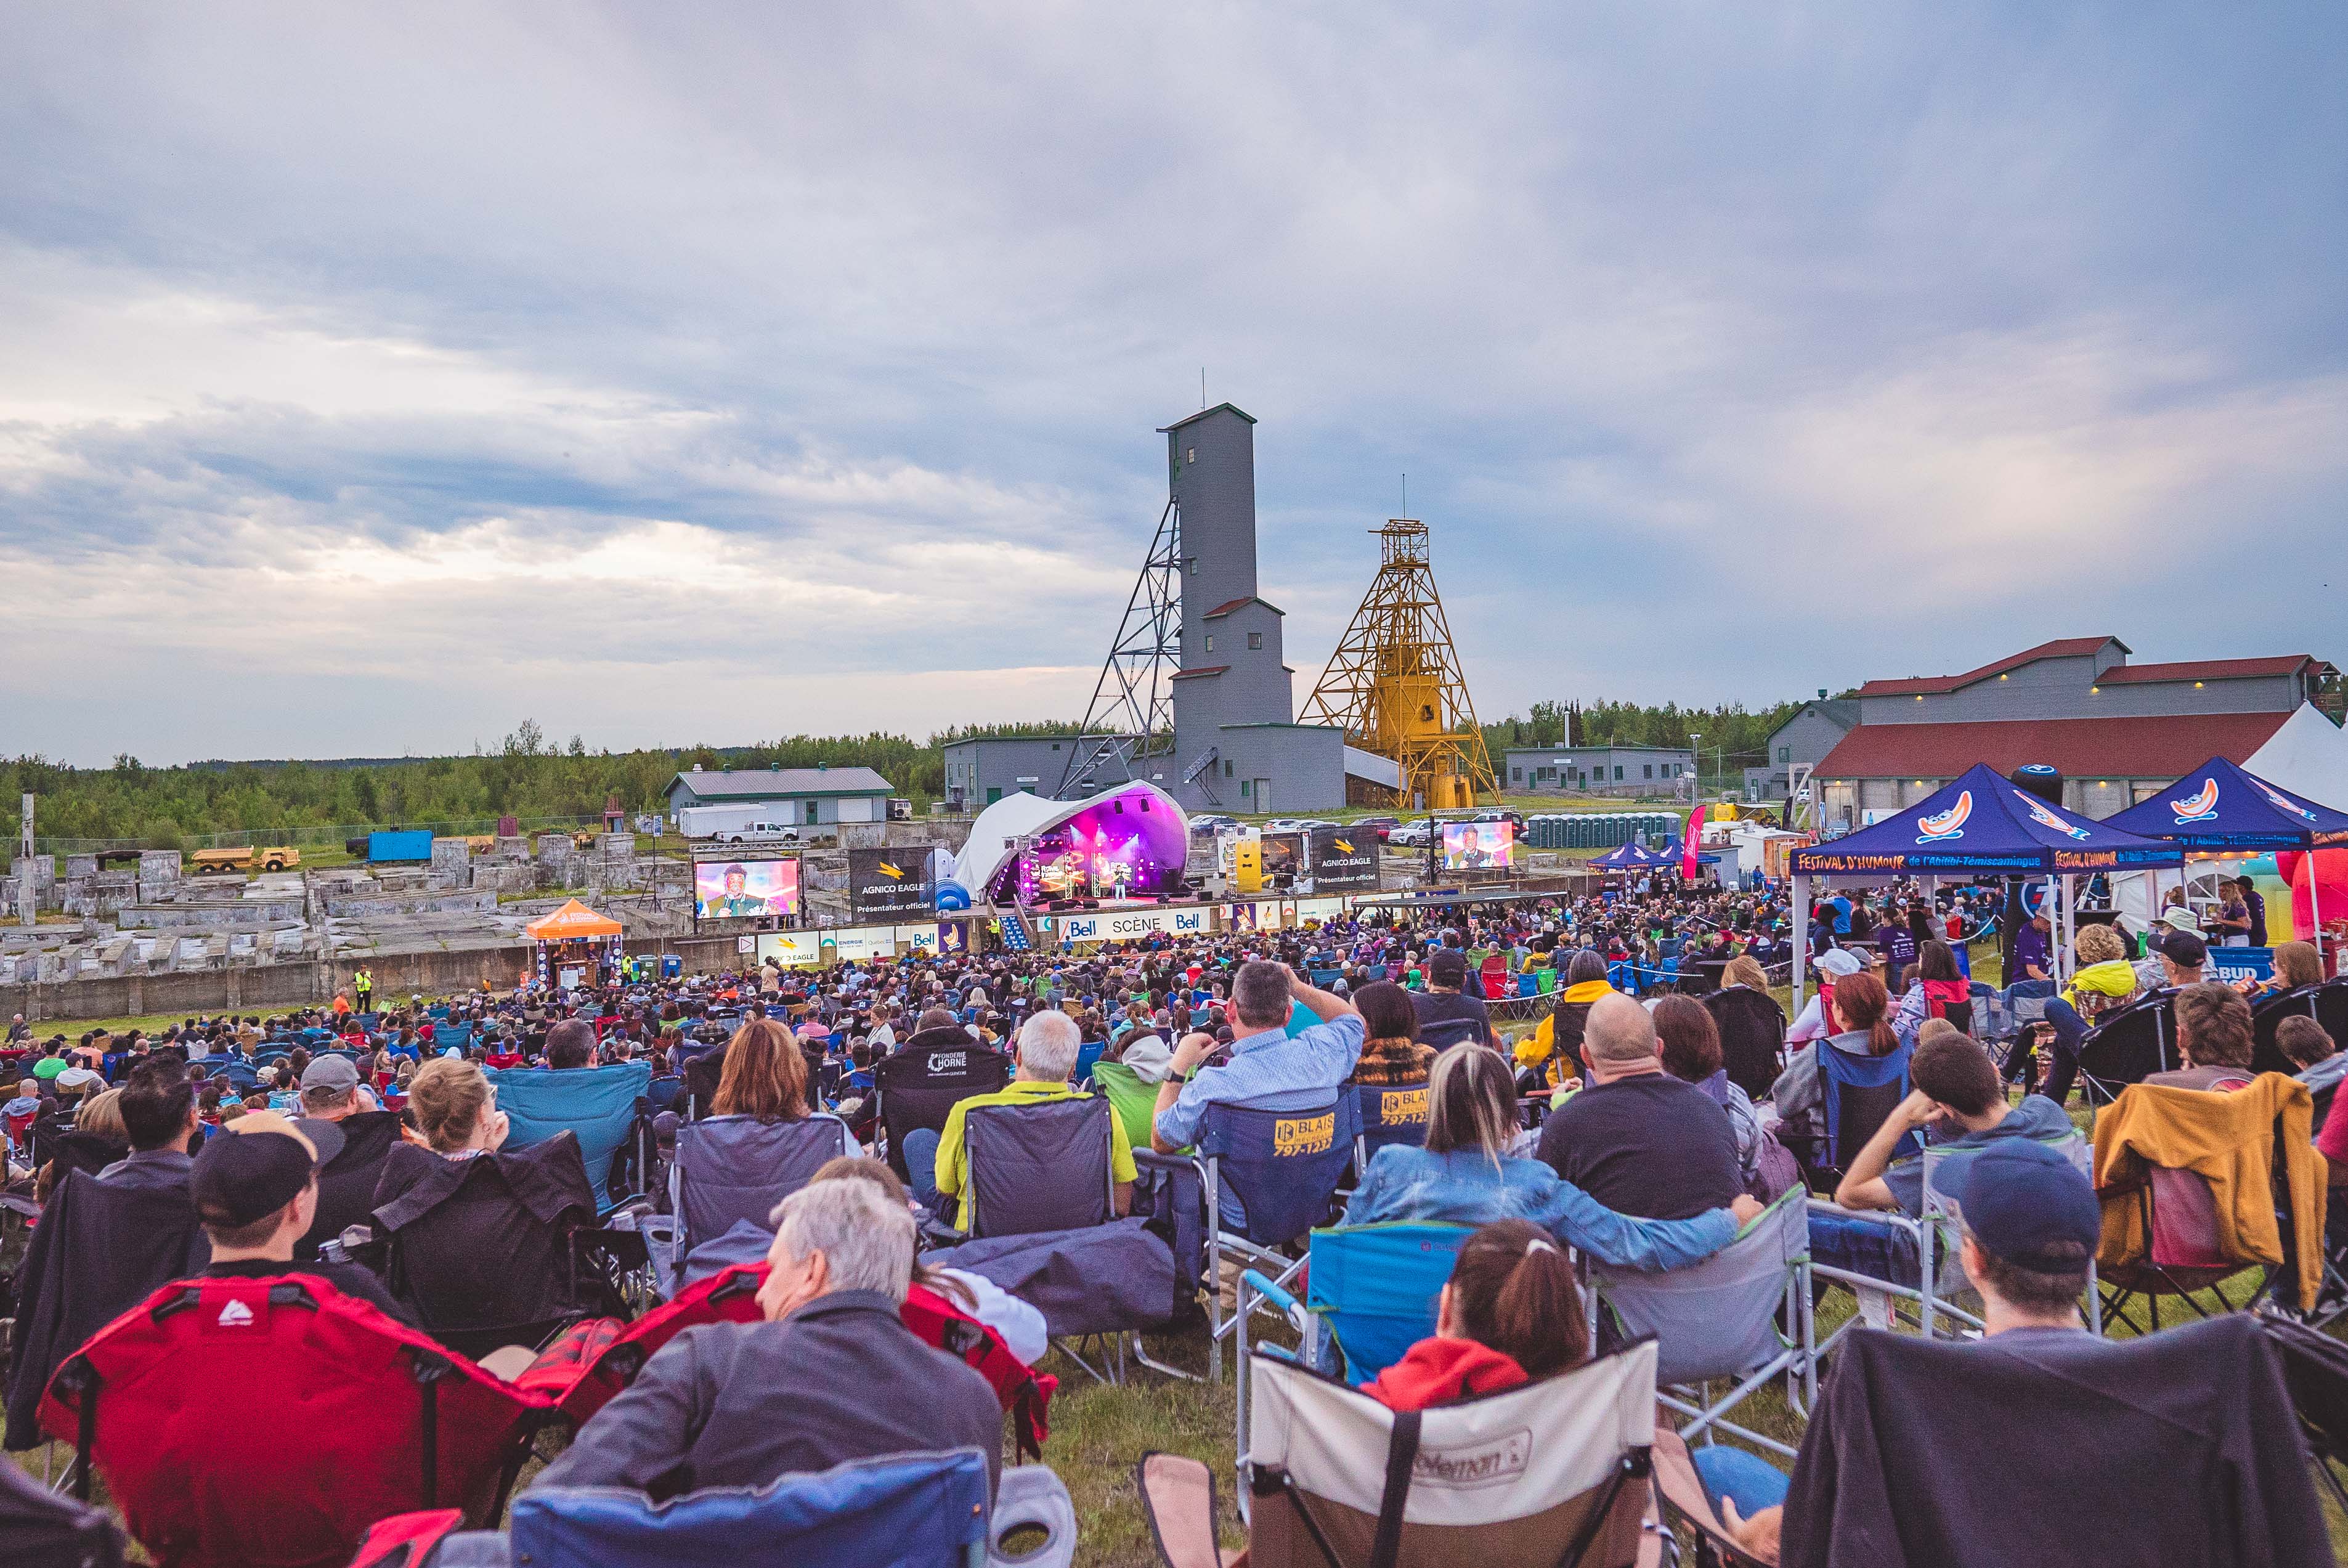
(2315, 1370)
(2176, 1245)
(1388, 1114)
(2127, 1047)
(1856, 1093)
(1087, 1053)
(1283, 1167)
(98, 1251)
(271, 1420)
(729, 1169)
(1445, 1033)
(1752, 1037)
(1684, 1504)
(1724, 1317)
(2267, 1017)
(43, 1528)
(1040, 1167)
(1135, 1102)
(612, 1361)
(908, 1510)
(1370, 1296)
(2332, 1007)
(500, 1249)
(914, 1088)
(598, 1104)
(1550, 1472)
(1917, 1261)
(2026, 1002)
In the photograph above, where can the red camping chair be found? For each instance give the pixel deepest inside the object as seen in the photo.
(585, 1369)
(266, 1423)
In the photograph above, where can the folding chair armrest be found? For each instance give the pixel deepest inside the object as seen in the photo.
(1893, 1219)
(1272, 1293)
(935, 1234)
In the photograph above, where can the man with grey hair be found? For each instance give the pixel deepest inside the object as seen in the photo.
(831, 1374)
(1047, 1052)
(1636, 1139)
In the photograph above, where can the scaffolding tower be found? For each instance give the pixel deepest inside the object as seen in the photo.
(1396, 686)
(1131, 715)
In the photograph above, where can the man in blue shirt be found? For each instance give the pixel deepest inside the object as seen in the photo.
(1269, 1069)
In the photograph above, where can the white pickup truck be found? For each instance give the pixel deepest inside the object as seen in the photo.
(758, 833)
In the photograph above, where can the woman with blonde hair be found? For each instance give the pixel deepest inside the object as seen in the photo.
(452, 1109)
(1466, 1175)
(765, 1075)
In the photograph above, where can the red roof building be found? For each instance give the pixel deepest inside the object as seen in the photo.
(2116, 731)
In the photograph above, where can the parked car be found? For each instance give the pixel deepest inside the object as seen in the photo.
(1498, 816)
(1412, 835)
(1383, 826)
(761, 833)
(1206, 824)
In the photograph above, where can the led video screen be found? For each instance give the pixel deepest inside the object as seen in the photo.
(726, 890)
(1478, 846)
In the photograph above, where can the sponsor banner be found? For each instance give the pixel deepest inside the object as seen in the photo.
(792, 949)
(1344, 860)
(931, 940)
(1293, 1135)
(1262, 915)
(891, 880)
(1119, 926)
(2227, 964)
(1320, 908)
(863, 941)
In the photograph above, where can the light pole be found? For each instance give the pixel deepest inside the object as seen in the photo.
(1696, 744)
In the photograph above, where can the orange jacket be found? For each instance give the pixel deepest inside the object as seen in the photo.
(2227, 1139)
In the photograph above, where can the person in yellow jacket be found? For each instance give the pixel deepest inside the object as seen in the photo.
(1554, 1049)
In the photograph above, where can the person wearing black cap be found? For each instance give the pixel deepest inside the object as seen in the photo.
(256, 1188)
(1447, 1017)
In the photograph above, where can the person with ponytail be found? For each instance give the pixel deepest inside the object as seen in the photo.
(1511, 1313)
(1860, 1009)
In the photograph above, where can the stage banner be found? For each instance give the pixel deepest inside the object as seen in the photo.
(891, 880)
(1121, 924)
(863, 941)
(1322, 909)
(945, 936)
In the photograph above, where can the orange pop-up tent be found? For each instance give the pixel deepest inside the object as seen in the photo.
(575, 945)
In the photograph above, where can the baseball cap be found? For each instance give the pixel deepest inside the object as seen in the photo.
(1840, 963)
(249, 1172)
(336, 1073)
(2019, 1199)
(2182, 947)
(1447, 967)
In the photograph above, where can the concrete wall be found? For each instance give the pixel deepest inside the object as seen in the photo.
(1304, 765)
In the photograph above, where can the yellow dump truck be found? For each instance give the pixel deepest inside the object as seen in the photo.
(280, 858)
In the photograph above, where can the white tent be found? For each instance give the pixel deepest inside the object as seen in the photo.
(2308, 756)
(995, 834)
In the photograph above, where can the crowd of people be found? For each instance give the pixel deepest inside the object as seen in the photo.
(1601, 1118)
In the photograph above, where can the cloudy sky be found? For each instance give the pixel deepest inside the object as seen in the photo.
(373, 378)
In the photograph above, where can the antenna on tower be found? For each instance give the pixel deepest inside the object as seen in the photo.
(1396, 685)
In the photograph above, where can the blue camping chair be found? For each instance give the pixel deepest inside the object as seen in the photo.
(1859, 1093)
(241, 1078)
(1087, 1054)
(598, 1104)
(1282, 1168)
(1527, 985)
(898, 1510)
(1389, 1114)
(1322, 979)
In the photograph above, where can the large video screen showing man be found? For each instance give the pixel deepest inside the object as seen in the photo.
(1478, 846)
(731, 890)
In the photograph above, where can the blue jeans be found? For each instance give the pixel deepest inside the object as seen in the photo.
(921, 1165)
(1753, 1481)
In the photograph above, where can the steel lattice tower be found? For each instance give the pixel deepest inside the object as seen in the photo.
(1396, 685)
(1131, 715)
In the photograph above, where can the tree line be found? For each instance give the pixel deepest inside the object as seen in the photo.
(529, 774)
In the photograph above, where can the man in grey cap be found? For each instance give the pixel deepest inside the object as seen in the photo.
(332, 1098)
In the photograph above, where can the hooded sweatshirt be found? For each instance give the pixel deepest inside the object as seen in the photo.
(1438, 1371)
(1557, 1040)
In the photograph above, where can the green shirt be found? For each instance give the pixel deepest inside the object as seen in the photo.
(951, 1140)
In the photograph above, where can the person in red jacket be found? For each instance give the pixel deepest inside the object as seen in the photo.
(1510, 1314)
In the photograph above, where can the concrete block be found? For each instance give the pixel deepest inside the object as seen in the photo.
(80, 868)
(159, 865)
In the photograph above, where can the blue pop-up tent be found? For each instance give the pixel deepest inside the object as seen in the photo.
(2222, 808)
(1634, 856)
(1983, 824)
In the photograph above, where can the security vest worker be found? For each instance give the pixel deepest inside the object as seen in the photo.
(362, 987)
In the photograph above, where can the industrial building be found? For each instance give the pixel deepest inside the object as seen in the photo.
(794, 796)
(1596, 769)
(1801, 743)
(2116, 731)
